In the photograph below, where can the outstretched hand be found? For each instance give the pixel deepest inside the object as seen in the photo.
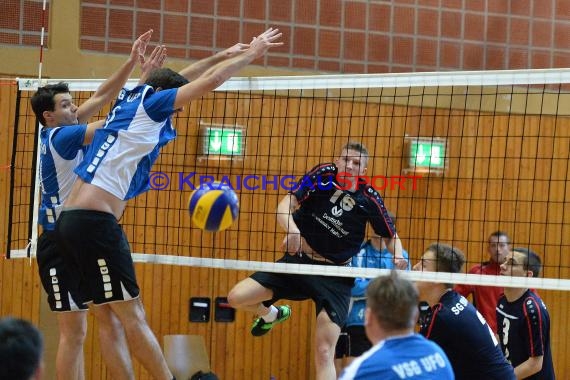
(139, 46)
(155, 60)
(265, 41)
(237, 49)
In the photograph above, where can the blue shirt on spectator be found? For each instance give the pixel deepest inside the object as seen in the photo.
(368, 257)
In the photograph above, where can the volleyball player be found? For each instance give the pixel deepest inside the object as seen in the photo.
(398, 353)
(454, 324)
(115, 169)
(524, 322)
(325, 220)
(63, 138)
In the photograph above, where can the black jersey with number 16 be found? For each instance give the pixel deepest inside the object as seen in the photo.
(333, 219)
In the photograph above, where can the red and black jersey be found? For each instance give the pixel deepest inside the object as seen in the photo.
(457, 327)
(485, 298)
(333, 219)
(524, 331)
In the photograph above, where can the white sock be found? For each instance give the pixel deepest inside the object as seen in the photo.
(272, 315)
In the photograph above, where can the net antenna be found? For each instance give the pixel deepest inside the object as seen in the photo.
(37, 194)
(42, 34)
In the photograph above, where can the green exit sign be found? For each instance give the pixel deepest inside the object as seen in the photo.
(223, 141)
(427, 154)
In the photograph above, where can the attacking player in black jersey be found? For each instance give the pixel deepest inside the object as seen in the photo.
(325, 219)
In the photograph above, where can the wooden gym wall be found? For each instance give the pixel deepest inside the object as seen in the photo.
(461, 208)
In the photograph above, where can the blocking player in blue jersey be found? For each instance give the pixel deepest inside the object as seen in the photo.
(523, 321)
(63, 139)
(398, 353)
(454, 324)
(352, 341)
(115, 169)
(325, 219)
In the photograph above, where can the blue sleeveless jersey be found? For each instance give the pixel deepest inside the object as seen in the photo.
(404, 357)
(122, 153)
(61, 150)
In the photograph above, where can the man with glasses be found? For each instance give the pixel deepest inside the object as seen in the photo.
(524, 323)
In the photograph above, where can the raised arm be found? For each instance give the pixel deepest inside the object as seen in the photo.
(224, 70)
(111, 87)
(285, 209)
(155, 61)
(194, 70)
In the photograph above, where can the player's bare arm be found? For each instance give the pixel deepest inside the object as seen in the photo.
(395, 247)
(285, 208)
(111, 87)
(221, 72)
(155, 61)
(194, 70)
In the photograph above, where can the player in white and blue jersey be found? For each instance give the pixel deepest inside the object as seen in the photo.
(448, 319)
(116, 168)
(398, 353)
(63, 139)
(523, 321)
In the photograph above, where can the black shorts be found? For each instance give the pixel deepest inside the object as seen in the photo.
(329, 293)
(96, 248)
(352, 342)
(61, 288)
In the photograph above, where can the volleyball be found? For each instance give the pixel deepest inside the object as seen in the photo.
(213, 207)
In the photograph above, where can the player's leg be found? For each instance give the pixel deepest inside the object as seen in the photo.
(63, 298)
(326, 336)
(115, 350)
(251, 295)
(142, 342)
(341, 351)
(69, 357)
(98, 246)
(248, 295)
(332, 298)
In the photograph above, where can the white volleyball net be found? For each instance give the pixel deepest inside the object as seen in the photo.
(456, 156)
